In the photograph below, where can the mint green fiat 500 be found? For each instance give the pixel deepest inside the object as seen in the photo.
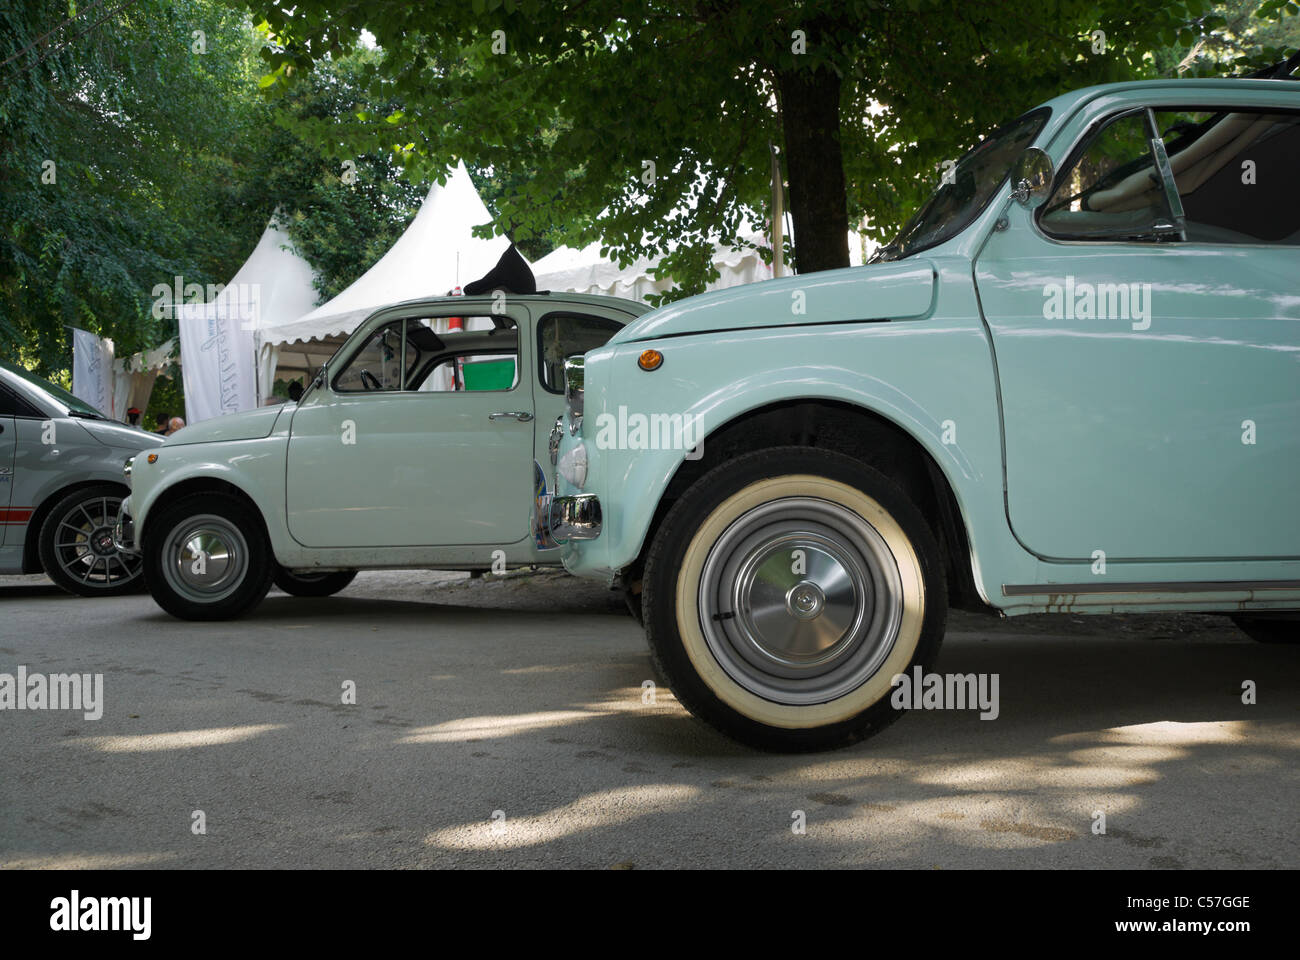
(418, 445)
(1071, 384)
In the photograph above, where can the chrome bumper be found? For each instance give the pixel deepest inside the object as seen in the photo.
(575, 518)
(124, 530)
(561, 519)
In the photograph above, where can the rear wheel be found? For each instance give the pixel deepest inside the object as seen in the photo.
(206, 557)
(784, 591)
(313, 584)
(76, 545)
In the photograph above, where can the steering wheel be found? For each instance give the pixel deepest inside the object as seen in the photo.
(368, 378)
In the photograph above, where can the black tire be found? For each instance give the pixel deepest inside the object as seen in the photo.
(76, 548)
(1270, 628)
(240, 576)
(742, 516)
(312, 584)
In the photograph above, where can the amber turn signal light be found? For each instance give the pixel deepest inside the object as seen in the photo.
(153, 458)
(650, 360)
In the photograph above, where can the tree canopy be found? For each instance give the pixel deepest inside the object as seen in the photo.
(649, 125)
(139, 147)
(144, 140)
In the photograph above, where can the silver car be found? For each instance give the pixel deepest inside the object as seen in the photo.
(61, 485)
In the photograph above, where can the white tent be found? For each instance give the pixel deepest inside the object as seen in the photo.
(436, 254)
(134, 376)
(273, 286)
(586, 271)
(113, 385)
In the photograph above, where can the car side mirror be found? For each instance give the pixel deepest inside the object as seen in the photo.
(1031, 178)
(317, 382)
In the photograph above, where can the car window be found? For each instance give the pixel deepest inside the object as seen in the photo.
(564, 335)
(966, 187)
(12, 405)
(378, 365)
(473, 372)
(474, 353)
(1236, 172)
(435, 355)
(56, 392)
(1111, 190)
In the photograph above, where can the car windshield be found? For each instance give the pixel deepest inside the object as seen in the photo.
(966, 188)
(76, 407)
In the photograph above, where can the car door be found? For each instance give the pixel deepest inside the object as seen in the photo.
(7, 442)
(1149, 363)
(17, 416)
(427, 447)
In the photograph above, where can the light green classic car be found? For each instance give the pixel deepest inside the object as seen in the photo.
(418, 445)
(1071, 384)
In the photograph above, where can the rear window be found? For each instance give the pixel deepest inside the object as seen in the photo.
(564, 335)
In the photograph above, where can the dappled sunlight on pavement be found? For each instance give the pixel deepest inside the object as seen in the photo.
(498, 734)
(608, 808)
(180, 740)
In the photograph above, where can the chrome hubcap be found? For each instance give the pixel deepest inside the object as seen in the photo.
(205, 558)
(805, 601)
(800, 600)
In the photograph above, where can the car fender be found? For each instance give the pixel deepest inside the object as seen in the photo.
(886, 369)
(44, 473)
(253, 467)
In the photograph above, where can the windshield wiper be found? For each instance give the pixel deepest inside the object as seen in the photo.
(85, 415)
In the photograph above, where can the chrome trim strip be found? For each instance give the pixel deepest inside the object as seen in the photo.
(1189, 586)
(574, 390)
(556, 437)
(124, 534)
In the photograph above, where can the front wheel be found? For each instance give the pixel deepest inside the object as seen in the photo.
(313, 584)
(76, 545)
(784, 591)
(206, 557)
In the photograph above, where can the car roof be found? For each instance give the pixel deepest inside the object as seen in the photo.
(1075, 98)
(545, 298)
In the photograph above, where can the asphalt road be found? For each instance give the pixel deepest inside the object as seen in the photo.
(501, 723)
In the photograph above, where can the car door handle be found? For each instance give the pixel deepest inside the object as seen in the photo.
(523, 416)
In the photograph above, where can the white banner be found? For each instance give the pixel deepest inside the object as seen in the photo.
(92, 370)
(218, 357)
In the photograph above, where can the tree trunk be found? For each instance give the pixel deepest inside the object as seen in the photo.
(814, 167)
